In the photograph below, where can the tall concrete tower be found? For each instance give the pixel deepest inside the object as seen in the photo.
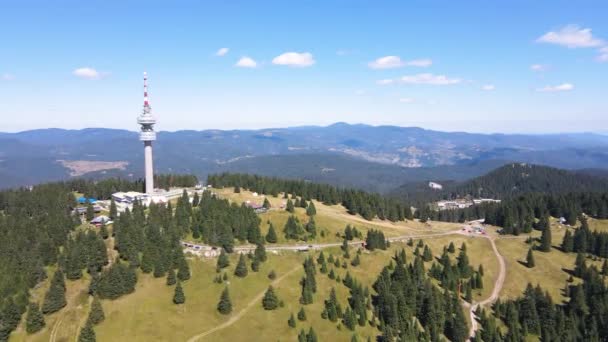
(147, 135)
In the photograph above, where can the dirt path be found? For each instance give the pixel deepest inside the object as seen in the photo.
(498, 284)
(235, 318)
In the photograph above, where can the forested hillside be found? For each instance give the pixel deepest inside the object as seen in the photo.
(509, 181)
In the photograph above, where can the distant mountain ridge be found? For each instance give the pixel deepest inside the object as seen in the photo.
(24, 156)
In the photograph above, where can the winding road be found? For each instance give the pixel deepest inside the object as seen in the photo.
(498, 284)
(235, 318)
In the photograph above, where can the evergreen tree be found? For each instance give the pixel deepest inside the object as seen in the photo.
(302, 314)
(183, 270)
(266, 204)
(241, 267)
(34, 321)
(311, 336)
(113, 210)
(171, 278)
(260, 252)
(545, 240)
(270, 300)
(96, 315)
(225, 304)
(54, 299)
(311, 210)
(223, 261)
(291, 321)
(90, 214)
(87, 334)
(568, 242)
(178, 296)
(271, 236)
(289, 206)
(451, 248)
(530, 259)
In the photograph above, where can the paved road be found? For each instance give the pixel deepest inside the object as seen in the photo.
(298, 247)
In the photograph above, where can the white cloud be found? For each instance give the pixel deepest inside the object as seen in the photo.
(429, 79)
(87, 73)
(360, 92)
(246, 62)
(7, 77)
(488, 87)
(391, 62)
(385, 81)
(571, 36)
(294, 59)
(561, 87)
(406, 100)
(539, 67)
(603, 57)
(420, 63)
(222, 52)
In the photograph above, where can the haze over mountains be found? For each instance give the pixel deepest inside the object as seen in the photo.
(369, 157)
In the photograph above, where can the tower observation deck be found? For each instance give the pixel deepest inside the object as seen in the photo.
(147, 135)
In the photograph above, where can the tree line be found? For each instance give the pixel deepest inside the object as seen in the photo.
(368, 205)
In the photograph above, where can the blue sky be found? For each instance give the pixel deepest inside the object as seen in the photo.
(479, 66)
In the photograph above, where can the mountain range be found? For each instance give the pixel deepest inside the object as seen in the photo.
(375, 158)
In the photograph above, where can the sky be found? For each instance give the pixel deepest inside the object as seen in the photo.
(476, 66)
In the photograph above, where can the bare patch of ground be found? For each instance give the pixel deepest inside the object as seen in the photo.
(81, 167)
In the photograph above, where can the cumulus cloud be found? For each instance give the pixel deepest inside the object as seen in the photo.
(391, 62)
(294, 59)
(406, 100)
(222, 52)
(7, 77)
(385, 81)
(561, 87)
(488, 87)
(538, 67)
(246, 62)
(429, 79)
(571, 36)
(87, 73)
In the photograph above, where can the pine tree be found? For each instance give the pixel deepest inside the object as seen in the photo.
(113, 210)
(90, 214)
(271, 236)
(289, 206)
(54, 299)
(266, 204)
(241, 267)
(223, 261)
(311, 210)
(356, 261)
(272, 275)
(270, 300)
(302, 313)
(225, 304)
(183, 270)
(605, 268)
(530, 259)
(96, 315)
(426, 254)
(260, 252)
(545, 240)
(291, 321)
(568, 242)
(171, 278)
(178, 296)
(451, 248)
(311, 336)
(34, 320)
(87, 334)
